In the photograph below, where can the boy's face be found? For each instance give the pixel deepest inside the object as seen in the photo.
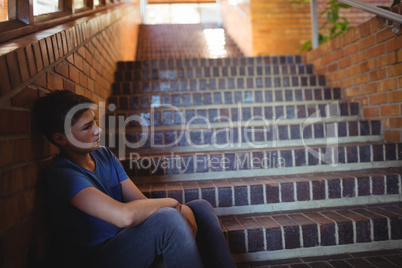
(86, 131)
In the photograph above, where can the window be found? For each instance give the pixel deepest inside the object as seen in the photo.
(41, 7)
(16, 14)
(3, 10)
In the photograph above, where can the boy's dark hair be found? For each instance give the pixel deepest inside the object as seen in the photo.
(50, 111)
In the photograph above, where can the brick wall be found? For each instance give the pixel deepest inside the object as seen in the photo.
(366, 62)
(79, 56)
(279, 27)
(238, 25)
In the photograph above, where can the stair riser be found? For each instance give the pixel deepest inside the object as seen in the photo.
(202, 84)
(208, 72)
(236, 196)
(138, 101)
(233, 61)
(187, 116)
(213, 165)
(320, 252)
(312, 229)
(248, 137)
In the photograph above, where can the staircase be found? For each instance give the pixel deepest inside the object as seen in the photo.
(291, 170)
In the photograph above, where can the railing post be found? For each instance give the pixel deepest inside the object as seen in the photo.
(314, 23)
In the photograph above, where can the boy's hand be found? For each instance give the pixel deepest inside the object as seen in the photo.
(189, 216)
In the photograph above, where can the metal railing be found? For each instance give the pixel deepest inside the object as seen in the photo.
(395, 18)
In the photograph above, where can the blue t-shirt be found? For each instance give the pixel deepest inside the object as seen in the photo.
(77, 232)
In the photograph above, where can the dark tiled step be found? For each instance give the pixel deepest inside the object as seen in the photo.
(200, 62)
(378, 259)
(158, 116)
(137, 101)
(217, 72)
(202, 84)
(262, 136)
(235, 163)
(273, 193)
(309, 229)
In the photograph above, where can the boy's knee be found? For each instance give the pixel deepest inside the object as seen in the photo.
(200, 206)
(169, 217)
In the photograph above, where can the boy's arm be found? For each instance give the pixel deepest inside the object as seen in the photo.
(95, 203)
(130, 191)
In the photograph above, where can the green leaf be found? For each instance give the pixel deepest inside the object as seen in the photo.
(396, 2)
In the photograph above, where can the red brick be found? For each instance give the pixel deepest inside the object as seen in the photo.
(362, 100)
(395, 70)
(387, 59)
(346, 83)
(395, 122)
(352, 70)
(351, 92)
(55, 47)
(41, 80)
(368, 65)
(351, 49)
(14, 122)
(388, 84)
(31, 60)
(11, 182)
(22, 60)
(43, 49)
(78, 61)
(333, 67)
(38, 56)
(337, 55)
(392, 135)
(13, 69)
(360, 79)
(19, 238)
(395, 96)
(367, 42)
(74, 73)
(379, 98)
(50, 49)
(370, 112)
(394, 44)
(5, 85)
(345, 62)
(64, 42)
(10, 208)
(54, 81)
(377, 74)
(359, 57)
(384, 34)
(83, 80)
(25, 98)
(28, 202)
(369, 88)
(389, 110)
(376, 51)
(62, 69)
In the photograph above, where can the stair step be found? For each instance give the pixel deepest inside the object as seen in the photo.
(209, 72)
(287, 192)
(185, 166)
(325, 231)
(245, 82)
(379, 259)
(189, 116)
(185, 98)
(204, 62)
(263, 135)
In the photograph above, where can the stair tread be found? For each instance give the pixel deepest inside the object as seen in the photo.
(380, 258)
(273, 231)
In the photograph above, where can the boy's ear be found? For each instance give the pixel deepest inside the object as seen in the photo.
(59, 138)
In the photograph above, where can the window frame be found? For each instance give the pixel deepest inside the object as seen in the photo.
(22, 21)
